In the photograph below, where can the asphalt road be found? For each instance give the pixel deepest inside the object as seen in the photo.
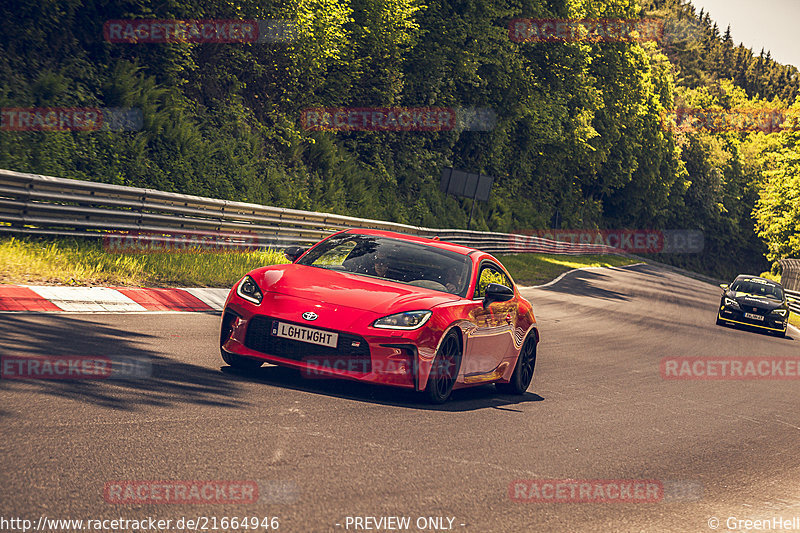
(324, 450)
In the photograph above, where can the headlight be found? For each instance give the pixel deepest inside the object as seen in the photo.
(732, 303)
(780, 312)
(407, 320)
(248, 290)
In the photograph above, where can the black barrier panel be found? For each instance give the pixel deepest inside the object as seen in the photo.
(471, 185)
(484, 188)
(466, 184)
(458, 179)
(445, 183)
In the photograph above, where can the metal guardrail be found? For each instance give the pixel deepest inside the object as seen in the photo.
(790, 274)
(44, 205)
(790, 279)
(795, 307)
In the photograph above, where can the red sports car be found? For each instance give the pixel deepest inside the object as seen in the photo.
(385, 308)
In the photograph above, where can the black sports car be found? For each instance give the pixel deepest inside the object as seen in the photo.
(755, 302)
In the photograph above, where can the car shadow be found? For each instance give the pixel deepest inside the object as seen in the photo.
(158, 381)
(467, 399)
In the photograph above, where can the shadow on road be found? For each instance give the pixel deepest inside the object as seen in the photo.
(582, 283)
(165, 383)
(469, 399)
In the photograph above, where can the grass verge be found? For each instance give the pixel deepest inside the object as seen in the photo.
(84, 262)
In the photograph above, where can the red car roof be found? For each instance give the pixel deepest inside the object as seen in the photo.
(463, 250)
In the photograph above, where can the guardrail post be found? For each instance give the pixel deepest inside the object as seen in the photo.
(26, 198)
(140, 211)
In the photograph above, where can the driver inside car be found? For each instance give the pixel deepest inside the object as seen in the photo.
(378, 265)
(451, 279)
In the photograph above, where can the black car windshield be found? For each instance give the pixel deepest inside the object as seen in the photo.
(393, 259)
(758, 288)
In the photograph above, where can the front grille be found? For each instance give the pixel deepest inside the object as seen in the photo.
(740, 316)
(769, 319)
(351, 352)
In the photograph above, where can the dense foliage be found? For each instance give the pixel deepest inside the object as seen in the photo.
(581, 137)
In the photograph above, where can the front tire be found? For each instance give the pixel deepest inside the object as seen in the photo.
(445, 369)
(523, 371)
(239, 362)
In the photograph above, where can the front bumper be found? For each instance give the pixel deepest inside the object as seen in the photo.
(386, 357)
(736, 316)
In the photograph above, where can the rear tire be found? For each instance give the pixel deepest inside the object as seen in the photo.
(523, 371)
(239, 362)
(445, 369)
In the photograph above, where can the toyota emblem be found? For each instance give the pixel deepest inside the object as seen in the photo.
(309, 315)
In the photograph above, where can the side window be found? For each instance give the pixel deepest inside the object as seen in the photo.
(336, 255)
(490, 274)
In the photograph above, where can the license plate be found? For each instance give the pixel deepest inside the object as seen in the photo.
(754, 317)
(304, 334)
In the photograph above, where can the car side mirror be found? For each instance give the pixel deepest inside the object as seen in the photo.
(293, 252)
(497, 293)
(724, 286)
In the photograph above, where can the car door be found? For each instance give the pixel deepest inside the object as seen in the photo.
(492, 339)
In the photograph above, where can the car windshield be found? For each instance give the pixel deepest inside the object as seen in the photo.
(393, 259)
(766, 290)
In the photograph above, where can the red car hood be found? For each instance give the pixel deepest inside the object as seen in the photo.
(347, 290)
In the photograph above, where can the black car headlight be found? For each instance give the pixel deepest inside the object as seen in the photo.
(780, 312)
(731, 303)
(407, 320)
(248, 289)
